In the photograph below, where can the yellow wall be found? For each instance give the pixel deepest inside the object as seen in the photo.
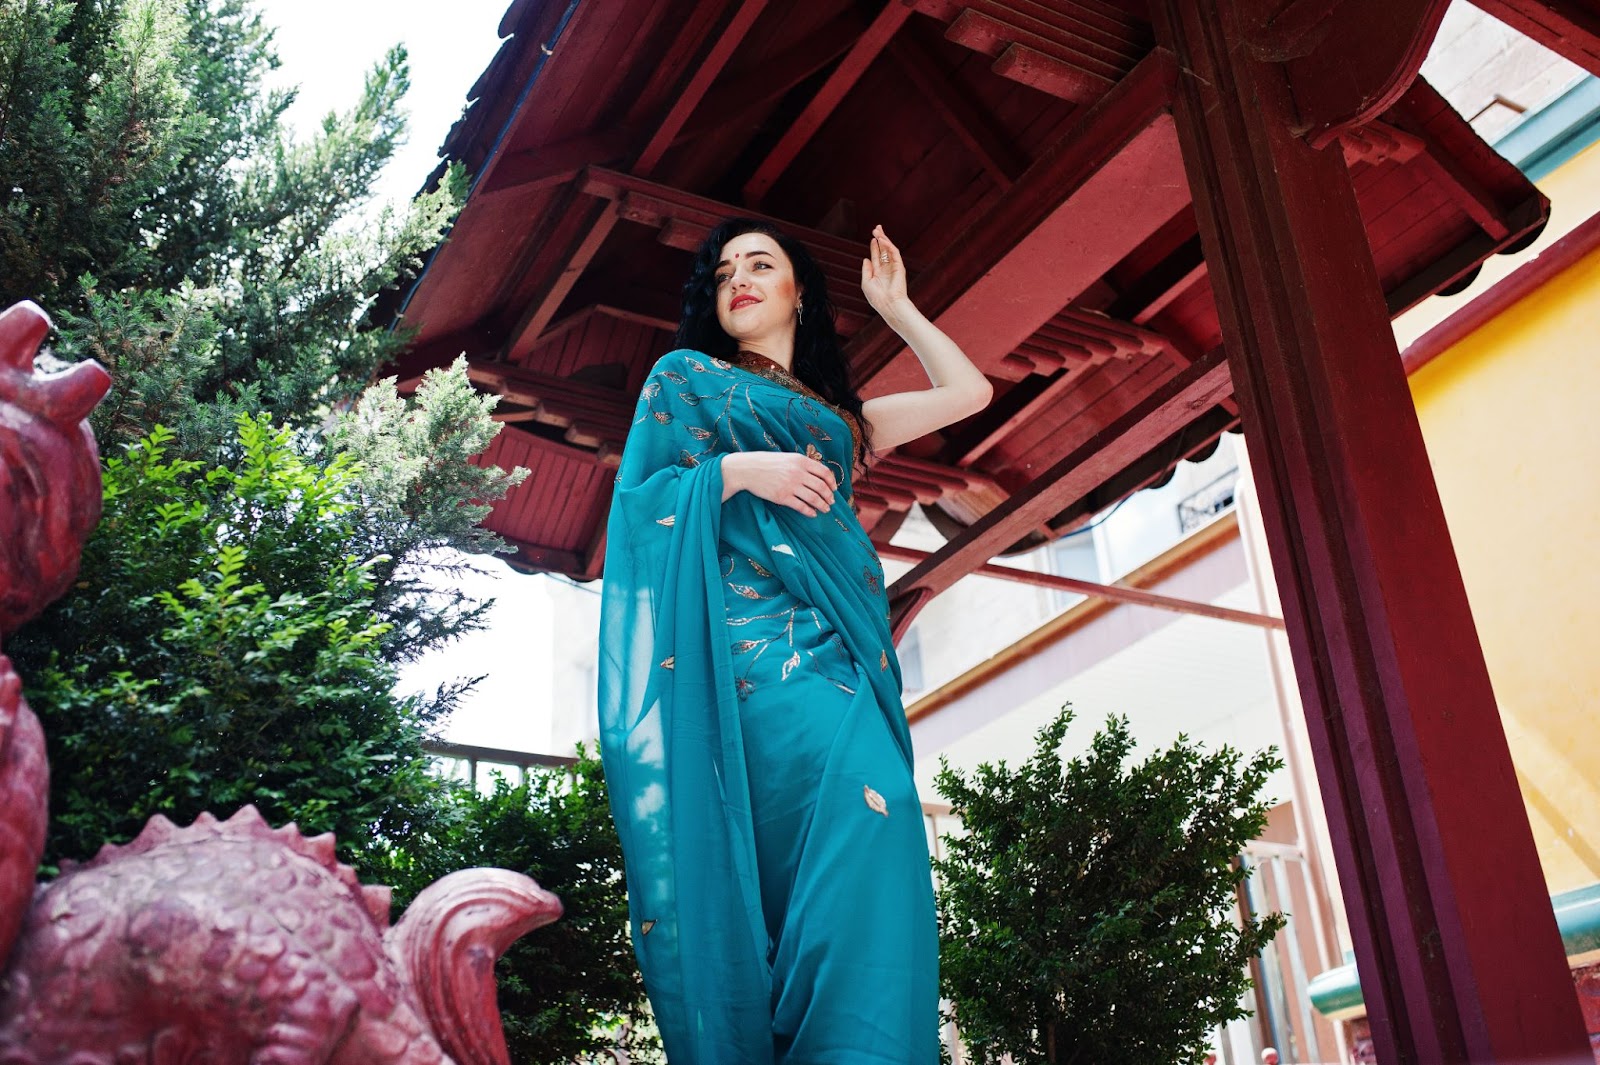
(1511, 416)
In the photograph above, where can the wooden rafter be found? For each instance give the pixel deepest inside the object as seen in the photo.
(1064, 220)
(592, 417)
(976, 130)
(555, 164)
(1163, 412)
(1100, 29)
(744, 94)
(1071, 51)
(602, 218)
(838, 85)
(691, 217)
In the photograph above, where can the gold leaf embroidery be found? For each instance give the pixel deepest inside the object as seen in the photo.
(686, 459)
(663, 417)
(759, 568)
(696, 365)
(883, 661)
(744, 646)
(789, 666)
(690, 398)
(644, 928)
(670, 662)
(669, 521)
(874, 800)
(817, 432)
(747, 591)
(722, 364)
(699, 433)
(813, 453)
(675, 377)
(653, 389)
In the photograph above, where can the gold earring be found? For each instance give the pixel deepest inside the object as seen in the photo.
(799, 313)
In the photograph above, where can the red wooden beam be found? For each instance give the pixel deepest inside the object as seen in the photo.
(1459, 953)
(977, 131)
(746, 93)
(530, 326)
(1347, 60)
(1096, 26)
(555, 164)
(994, 37)
(1524, 281)
(833, 91)
(1080, 208)
(1166, 410)
(725, 46)
(1112, 593)
(603, 217)
(1569, 28)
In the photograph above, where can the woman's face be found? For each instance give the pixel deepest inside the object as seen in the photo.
(756, 289)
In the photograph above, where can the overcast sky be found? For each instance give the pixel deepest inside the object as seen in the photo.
(327, 47)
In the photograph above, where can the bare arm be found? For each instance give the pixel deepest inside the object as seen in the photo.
(959, 388)
(781, 477)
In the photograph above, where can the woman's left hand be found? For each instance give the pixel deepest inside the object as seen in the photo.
(883, 276)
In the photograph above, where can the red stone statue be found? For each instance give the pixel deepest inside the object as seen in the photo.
(225, 941)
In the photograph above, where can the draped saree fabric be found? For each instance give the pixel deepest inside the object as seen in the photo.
(755, 745)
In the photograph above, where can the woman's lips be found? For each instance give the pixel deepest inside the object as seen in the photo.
(742, 301)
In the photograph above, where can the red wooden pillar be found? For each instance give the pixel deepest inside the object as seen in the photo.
(1458, 950)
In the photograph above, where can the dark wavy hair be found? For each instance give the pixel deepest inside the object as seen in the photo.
(819, 360)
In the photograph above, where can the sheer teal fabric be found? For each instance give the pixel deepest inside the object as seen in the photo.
(755, 745)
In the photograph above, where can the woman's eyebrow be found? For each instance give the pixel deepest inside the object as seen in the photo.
(752, 255)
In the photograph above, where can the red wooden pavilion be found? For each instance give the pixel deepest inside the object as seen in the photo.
(1148, 222)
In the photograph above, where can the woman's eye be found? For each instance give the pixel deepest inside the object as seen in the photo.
(721, 278)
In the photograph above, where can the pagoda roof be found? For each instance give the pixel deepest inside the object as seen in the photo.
(1024, 155)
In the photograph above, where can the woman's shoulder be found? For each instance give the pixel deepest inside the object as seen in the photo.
(686, 361)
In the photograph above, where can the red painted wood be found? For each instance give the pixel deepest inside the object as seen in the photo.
(1458, 950)
(1569, 28)
(1485, 307)
(978, 131)
(558, 163)
(982, 32)
(1057, 230)
(1078, 473)
(1049, 75)
(862, 54)
(1335, 85)
(725, 45)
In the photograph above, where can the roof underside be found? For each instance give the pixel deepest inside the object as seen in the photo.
(1022, 152)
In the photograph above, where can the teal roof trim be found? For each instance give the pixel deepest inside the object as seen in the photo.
(1555, 133)
(1577, 916)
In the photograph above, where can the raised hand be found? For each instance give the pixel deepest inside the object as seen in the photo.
(883, 275)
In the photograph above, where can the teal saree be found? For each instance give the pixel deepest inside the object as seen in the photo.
(754, 742)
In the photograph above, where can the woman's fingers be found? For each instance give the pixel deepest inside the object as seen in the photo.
(821, 469)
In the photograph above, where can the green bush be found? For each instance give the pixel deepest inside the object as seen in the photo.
(1087, 913)
(221, 648)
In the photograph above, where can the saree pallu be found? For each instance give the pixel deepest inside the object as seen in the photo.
(755, 746)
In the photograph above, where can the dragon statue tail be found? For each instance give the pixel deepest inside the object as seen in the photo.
(447, 943)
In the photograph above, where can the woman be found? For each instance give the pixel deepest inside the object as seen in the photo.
(755, 746)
